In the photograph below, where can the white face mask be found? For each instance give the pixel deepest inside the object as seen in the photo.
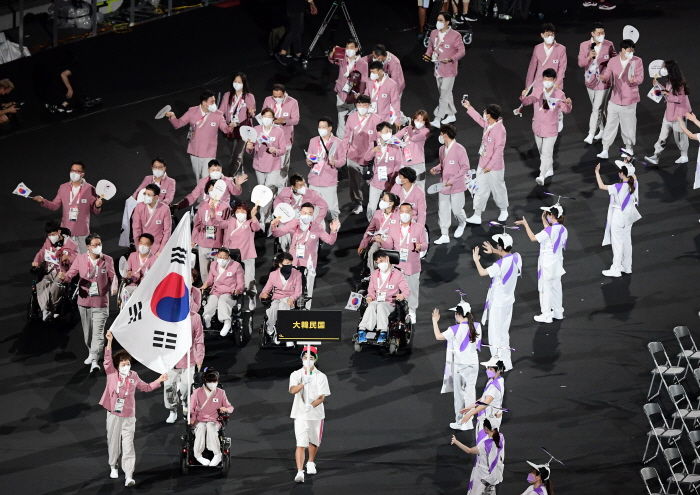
(439, 25)
(350, 52)
(212, 107)
(626, 54)
(322, 132)
(307, 363)
(663, 72)
(158, 172)
(124, 369)
(300, 191)
(383, 205)
(548, 84)
(97, 250)
(418, 124)
(143, 249)
(441, 139)
(222, 262)
(405, 217)
(215, 174)
(398, 180)
(549, 40)
(278, 100)
(147, 199)
(383, 266)
(599, 39)
(241, 217)
(362, 110)
(53, 239)
(237, 86)
(306, 219)
(267, 121)
(74, 176)
(374, 76)
(212, 386)
(386, 136)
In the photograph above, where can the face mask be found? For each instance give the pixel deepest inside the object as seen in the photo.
(599, 39)
(383, 205)
(241, 217)
(531, 478)
(97, 250)
(405, 217)
(74, 176)
(222, 262)
(307, 363)
(362, 110)
(279, 100)
(663, 72)
(148, 200)
(215, 174)
(212, 385)
(301, 190)
(286, 271)
(237, 86)
(323, 132)
(267, 121)
(143, 249)
(418, 124)
(157, 172)
(386, 136)
(374, 76)
(549, 40)
(441, 139)
(124, 369)
(398, 180)
(548, 84)
(626, 55)
(490, 373)
(383, 266)
(439, 25)
(212, 107)
(306, 219)
(350, 52)
(53, 239)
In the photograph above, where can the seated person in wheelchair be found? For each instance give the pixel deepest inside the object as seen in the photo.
(225, 280)
(138, 264)
(283, 287)
(55, 256)
(377, 233)
(207, 402)
(387, 285)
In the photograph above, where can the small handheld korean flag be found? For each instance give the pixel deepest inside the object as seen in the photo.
(155, 325)
(354, 301)
(22, 190)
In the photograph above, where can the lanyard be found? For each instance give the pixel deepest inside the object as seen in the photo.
(237, 104)
(278, 107)
(201, 122)
(385, 155)
(74, 196)
(240, 226)
(386, 219)
(403, 197)
(151, 212)
(297, 240)
(404, 238)
(94, 266)
(350, 66)
(381, 285)
(221, 272)
(122, 383)
(141, 263)
(376, 87)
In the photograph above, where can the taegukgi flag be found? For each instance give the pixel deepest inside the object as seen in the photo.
(154, 326)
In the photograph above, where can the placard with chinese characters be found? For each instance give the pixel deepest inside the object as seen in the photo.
(309, 325)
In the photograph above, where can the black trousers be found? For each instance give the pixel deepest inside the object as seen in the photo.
(295, 29)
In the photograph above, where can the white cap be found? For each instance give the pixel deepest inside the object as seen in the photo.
(559, 209)
(466, 307)
(492, 363)
(506, 238)
(539, 468)
(628, 165)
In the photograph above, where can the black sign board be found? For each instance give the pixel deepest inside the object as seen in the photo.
(310, 325)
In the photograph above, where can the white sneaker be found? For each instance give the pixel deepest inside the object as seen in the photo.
(503, 216)
(460, 230)
(94, 367)
(603, 155)
(227, 328)
(611, 273)
(357, 210)
(203, 461)
(207, 323)
(129, 482)
(88, 360)
(589, 139)
(113, 473)
(299, 478)
(456, 425)
(540, 180)
(436, 122)
(653, 159)
(543, 318)
(449, 119)
(474, 219)
(45, 313)
(443, 239)
(598, 136)
(466, 426)
(172, 417)
(216, 460)
(682, 159)
(311, 468)
(558, 315)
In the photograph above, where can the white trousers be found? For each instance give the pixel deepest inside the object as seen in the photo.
(120, 441)
(374, 196)
(93, 321)
(545, 145)
(343, 110)
(49, 292)
(550, 294)
(446, 103)
(413, 282)
(356, 182)
(204, 261)
(221, 305)
(488, 184)
(464, 387)
(206, 434)
(249, 279)
(178, 381)
(420, 173)
(621, 241)
(277, 305)
(448, 205)
(477, 487)
(330, 195)
(596, 122)
(274, 181)
(498, 333)
(624, 117)
(679, 137)
(377, 316)
(200, 166)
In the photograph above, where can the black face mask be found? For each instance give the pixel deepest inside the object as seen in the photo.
(286, 271)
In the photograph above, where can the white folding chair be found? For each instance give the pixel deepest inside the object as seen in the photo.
(648, 474)
(684, 409)
(679, 471)
(696, 375)
(660, 430)
(689, 351)
(662, 368)
(694, 437)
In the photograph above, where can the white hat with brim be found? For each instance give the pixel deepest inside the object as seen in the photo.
(466, 307)
(559, 209)
(491, 363)
(539, 468)
(628, 165)
(506, 238)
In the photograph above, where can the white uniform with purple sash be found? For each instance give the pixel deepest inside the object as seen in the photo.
(496, 389)
(531, 490)
(550, 268)
(622, 213)
(499, 305)
(488, 465)
(461, 365)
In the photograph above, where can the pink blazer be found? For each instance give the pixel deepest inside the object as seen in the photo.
(416, 198)
(166, 184)
(606, 53)
(198, 194)
(539, 62)
(386, 97)
(309, 238)
(676, 105)
(84, 201)
(451, 47)
(205, 129)
(138, 270)
(454, 165)
(392, 68)
(205, 411)
(158, 223)
(69, 248)
(225, 280)
(207, 231)
(493, 142)
(396, 283)
(289, 110)
(240, 236)
(380, 223)
(127, 387)
(238, 108)
(545, 122)
(414, 152)
(390, 157)
(295, 201)
(360, 135)
(283, 289)
(102, 273)
(624, 92)
(322, 173)
(360, 65)
(416, 235)
(263, 160)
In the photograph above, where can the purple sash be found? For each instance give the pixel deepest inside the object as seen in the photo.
(508, 274)
(497, 384)
(626, 201)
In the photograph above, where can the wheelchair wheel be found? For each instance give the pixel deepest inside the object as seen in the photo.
(426, 39)
(238, 332)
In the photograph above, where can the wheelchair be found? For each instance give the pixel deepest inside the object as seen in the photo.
(462, 27)
(400, 331)
(66, 310)
(268, 341)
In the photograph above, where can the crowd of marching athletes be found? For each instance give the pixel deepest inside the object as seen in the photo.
(382, 147)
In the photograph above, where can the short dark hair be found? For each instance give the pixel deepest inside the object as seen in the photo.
(159, 159)
(626, 44)
(548, 26)
(307, 205)
(327, 120)
(380, 253)
(223, 250)
(295, 178)
(447, 16)
(409, 174)
(282, 257)
(597, 25)
(379, 49)
(66, 231)
(148, 236)
(210, 376)
(52, 226)
(213, 163)
(279, 87)
(267, 110)
(119, 356)
(549, 73)
(363, 99)
(154, 188)
(382, 125)
(406, 204)
(90, 237)
(494, 111)
(354, 42)
(393, 197)
(376, 64)
(449, 129)
(205, 95)
(78, 162)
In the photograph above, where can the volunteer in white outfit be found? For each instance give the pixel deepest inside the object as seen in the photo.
(488, 407)
(539, 479)
(309, 386)
(461, 359)
(622, 213)
(550, 264)
(504, 275)
(488, 464)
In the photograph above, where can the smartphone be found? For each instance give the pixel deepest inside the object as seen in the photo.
(465, 97)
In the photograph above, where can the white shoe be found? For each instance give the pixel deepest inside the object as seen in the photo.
(113, 473)
(540, 180)
(653, 159)
(299, 478)
(88, 360)
(436, 122)
(466, 426)
(129, 482)
(603, 155)
(288, 343)
(216, 460)
(449, 119)
(598, 136)
(357, 210)
(543, 318)
(207, 323)
(172, 417)
(227, 328)
(611, 273)
(549, 174)
(589, 139)
(443, 239)
(456, 425)
(94, 367)
(682, 159)
(46, 313)
(460, 230)
(311, 468)
(558, 316)
(202, 460)
(503, 216)
(474, 219)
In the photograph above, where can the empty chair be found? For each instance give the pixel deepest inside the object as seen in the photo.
(679, 471)
(684, 409)
(662, 368)
(649, 474)
(695, 442)
(689, 350)
(660, 431)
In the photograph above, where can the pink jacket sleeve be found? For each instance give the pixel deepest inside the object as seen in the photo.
(372, 289)
(293, 114)
(403, 287)
(210, 278)
(146, 387)
(328, 237)
(529, 79)
(475, 116)
(240, 282)
(297, 286)
(583, 52)
(182, 121)
(54, 204)
(284, 228)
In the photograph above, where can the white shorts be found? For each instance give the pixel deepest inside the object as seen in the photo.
(308, 431)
